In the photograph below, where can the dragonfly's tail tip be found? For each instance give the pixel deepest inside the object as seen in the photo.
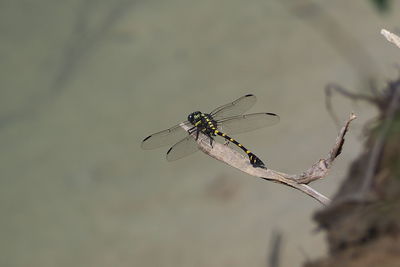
(255, 161)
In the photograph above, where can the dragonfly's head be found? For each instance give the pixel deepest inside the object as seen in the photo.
(194, 117)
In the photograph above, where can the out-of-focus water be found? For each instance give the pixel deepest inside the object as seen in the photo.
(83, 82)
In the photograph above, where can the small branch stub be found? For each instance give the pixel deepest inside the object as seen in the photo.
(317, 171)
(391, 37)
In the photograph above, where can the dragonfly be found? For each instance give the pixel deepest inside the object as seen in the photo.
(223, 120)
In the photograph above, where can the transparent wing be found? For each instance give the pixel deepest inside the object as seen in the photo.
(182, 149)
(237, 107)
(247, 123)
(164, 138)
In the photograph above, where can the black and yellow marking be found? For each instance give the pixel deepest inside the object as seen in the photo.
(254, 160)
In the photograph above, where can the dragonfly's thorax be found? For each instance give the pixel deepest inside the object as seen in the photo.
(202, 121)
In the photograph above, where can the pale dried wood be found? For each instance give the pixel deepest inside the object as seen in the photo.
(391, 37)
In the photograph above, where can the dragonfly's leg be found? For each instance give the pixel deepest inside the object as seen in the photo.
(210, 136)
(197, 134)
(191, 130)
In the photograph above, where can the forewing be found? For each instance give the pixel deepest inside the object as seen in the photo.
(164, 138)
(247, 123)
(237, 107)
(182, 149)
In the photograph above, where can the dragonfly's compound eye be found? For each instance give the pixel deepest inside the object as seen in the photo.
(193, 117)
(190, 117)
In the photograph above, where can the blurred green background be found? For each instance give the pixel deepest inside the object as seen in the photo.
(83, 82)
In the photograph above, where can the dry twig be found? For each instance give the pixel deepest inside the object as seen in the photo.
(317, 171)
(391, 37)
